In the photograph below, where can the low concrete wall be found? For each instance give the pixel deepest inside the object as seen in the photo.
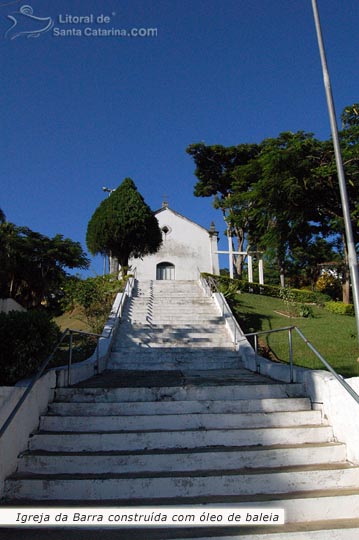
(326, 393)
(15, 439)
(8, 304)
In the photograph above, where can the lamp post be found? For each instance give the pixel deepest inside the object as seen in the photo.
(353, 259)
(109, 191)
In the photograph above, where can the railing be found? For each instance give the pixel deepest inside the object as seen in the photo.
(44, 365)
(290, 329)
(209, 285)
(69, 332)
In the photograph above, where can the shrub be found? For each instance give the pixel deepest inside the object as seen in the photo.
(329, 285)
(26, 338)
(339, 308)
(303, 296)
(305, 311)
(94, 296)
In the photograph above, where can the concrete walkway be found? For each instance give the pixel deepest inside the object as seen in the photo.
(140, 378)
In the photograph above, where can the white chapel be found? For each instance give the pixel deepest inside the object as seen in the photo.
(187, 249)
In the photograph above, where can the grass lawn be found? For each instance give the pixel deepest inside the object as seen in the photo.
(75, 320)
(334, 336)
(83, 346)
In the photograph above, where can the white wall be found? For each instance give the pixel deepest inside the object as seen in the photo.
(326, 393)
(338, 407)
(8, 304)
(15, 439)
(187, 246)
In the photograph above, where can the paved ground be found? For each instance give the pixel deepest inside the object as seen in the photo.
(135, 379)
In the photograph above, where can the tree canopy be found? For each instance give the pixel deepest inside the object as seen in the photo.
(33, 266)
(282, 195)
(215, 169)
(123, 226)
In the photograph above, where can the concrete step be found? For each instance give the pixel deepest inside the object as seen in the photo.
(177, 332)
(160, 408)
(176, 320)
(173, 307)
(187, 354)
(198, 460)
(173, 358)
(181, 393)
(174, 485)
(175, 303)
(199, 343)
(342, 531)
(153, 343)
(128, 441)
(179, 421)
(167, 362)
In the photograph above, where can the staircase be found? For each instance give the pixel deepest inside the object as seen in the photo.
(171, 427)
(171, 325)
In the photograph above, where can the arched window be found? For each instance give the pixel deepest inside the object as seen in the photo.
(165, 270)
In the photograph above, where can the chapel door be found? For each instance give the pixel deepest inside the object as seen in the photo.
(165, 271)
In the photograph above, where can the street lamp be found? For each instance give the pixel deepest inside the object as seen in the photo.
(109, 191)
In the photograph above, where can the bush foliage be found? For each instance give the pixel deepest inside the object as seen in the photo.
(339, 308)
(94, 296)
(26, 338)
(302, 296)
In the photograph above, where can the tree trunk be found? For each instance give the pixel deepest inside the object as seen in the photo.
(239, 259)
(114, 264)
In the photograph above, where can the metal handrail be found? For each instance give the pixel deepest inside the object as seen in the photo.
(290, 329)
(209, 284)
(43, 367)
(70, 332)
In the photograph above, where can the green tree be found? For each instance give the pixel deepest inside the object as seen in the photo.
(123, 226)
(215, 168)
(308, 261)
(283, 211)
(33, 266)
(271, 196)
(326, 184)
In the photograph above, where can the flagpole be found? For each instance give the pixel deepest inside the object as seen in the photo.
(353, 260)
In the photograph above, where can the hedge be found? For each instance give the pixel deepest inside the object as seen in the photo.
(26, 339)
(302, 296)
(339, 308)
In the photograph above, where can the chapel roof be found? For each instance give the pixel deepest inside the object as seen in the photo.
(165, 208)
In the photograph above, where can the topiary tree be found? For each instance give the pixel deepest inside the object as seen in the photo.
(123, 226)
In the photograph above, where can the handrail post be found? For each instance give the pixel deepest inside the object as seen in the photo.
(98, 355)
(256, 353)
(290, 339)
(70, 359)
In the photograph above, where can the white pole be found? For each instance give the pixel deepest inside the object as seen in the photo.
(250, 268)
(230, 253)
(261, 269)
(353, 260)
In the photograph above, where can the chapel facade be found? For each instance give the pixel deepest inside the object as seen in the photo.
(187, 249)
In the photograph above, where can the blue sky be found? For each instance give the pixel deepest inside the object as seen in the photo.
(82, 112)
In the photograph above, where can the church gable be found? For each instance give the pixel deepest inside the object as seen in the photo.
(186, 249)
